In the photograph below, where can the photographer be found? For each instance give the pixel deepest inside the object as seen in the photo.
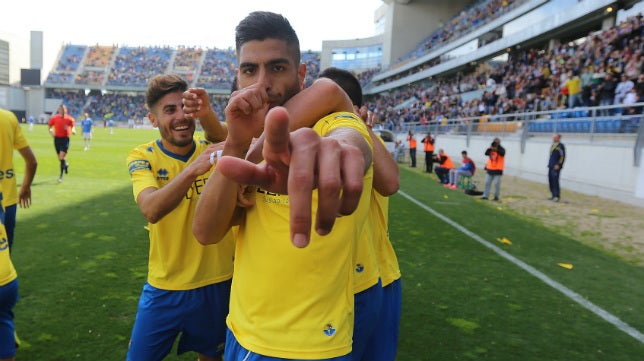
(445, 164)
(494, 168)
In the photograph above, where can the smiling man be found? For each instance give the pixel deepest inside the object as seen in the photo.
(188, 286)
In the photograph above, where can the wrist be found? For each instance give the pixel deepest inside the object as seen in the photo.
(235, 148)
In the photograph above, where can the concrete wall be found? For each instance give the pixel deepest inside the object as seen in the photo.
(604, 168)
(408, 24)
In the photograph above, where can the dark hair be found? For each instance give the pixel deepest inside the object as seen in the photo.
(262, 25)
(464, 152)
(347, 81)
(160, 85)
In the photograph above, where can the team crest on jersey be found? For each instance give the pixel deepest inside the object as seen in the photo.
(162, 174)
(4, 244)
(329, 330)
(139, 164)
(150, 149)
(359, 268)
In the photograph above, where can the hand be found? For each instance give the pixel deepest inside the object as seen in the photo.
(196, 103)
(245, 113)
(370, 118)
(202, 164)
(24, 197)
(556, 167)
(298, 162)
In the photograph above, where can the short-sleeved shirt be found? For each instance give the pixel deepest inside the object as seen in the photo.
(11, 138)
(385, 254)
(177, 261)
(387, 260)
(86, 124)
(289, 302)
(62, 125)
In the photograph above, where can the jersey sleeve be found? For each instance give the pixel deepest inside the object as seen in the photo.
(140, 170)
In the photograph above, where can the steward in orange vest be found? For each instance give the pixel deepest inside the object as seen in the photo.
(428, 142)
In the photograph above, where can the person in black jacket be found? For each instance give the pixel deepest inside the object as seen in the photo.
(555, 164)
(606, 92)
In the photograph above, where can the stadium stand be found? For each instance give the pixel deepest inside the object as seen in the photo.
(529, 80)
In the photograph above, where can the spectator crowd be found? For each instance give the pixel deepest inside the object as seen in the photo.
(605, 68)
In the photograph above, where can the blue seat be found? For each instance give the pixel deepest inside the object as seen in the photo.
(581, 114)
(604, 126)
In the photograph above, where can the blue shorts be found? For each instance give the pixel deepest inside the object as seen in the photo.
(236, 352)
(199, 315)
(10, 222)
(368, 305)
(384, 343)
(8, 299)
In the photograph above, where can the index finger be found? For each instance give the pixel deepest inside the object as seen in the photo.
(301, 181)
(277, 137)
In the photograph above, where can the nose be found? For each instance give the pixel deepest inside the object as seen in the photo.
(264, 78)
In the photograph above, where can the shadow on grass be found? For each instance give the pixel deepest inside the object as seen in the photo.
(80, 269)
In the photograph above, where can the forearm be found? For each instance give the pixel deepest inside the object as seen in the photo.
(306, 107)
(157, 203)
(31, 164)
(214, 130)
(353, 138)
(386, 177)
(217, 209)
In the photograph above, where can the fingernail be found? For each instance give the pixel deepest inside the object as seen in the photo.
(300, 240)
(322, 231)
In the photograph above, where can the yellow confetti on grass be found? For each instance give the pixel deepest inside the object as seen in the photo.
(504, 240)
(565, 265)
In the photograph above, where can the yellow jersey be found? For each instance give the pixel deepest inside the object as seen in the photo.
(177, 261)
(289, 302)
(11, 138)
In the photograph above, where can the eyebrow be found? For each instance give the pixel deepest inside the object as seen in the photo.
(169, 106)
(270, 62)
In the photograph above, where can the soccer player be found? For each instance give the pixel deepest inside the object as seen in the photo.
(377, 300)
(8, 295)
(188, 286)
(87, 126)
(60, 127)
(11, 138)
(292, 294)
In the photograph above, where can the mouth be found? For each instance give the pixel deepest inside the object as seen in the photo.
(182, 127)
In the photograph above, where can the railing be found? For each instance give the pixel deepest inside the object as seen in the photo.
(614, 122)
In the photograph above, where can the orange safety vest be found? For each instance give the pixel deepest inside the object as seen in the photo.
(495, 161)
(447, 164)
(429, 147)
(412, 142)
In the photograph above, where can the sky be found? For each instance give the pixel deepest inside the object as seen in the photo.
(205, 23)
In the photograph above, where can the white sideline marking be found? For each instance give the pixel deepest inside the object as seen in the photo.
(614, 320)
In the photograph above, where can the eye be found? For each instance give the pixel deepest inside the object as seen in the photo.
(247, 70)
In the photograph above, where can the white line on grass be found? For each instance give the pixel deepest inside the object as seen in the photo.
(614, 320)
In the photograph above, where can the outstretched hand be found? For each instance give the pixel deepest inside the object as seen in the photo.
(297, 163)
